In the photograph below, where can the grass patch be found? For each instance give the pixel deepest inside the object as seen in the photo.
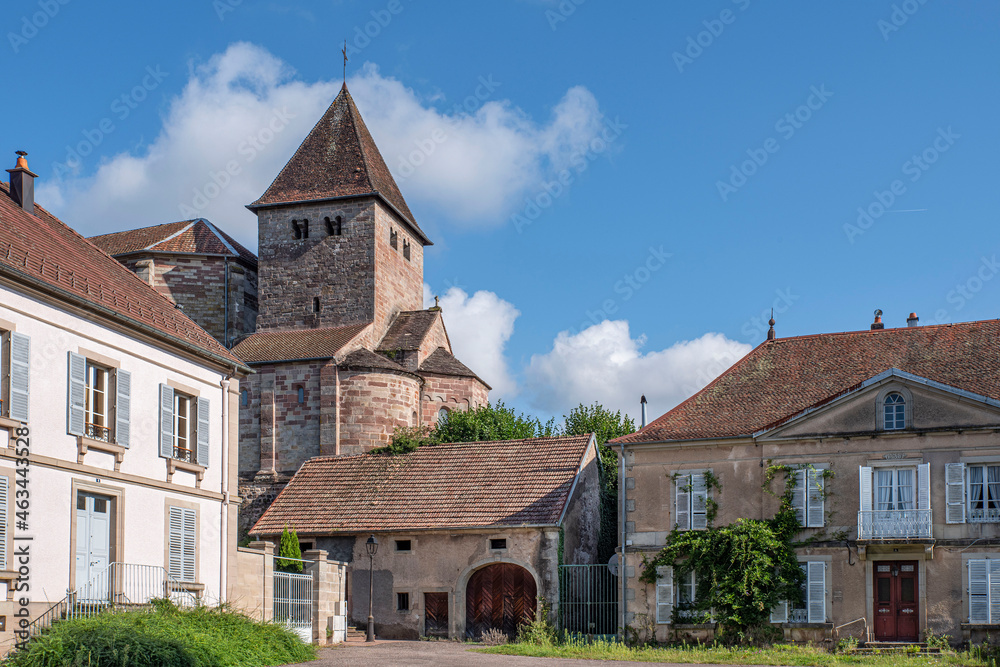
(779, 654)
(164, 637)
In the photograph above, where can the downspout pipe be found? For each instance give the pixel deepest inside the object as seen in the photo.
(622, 570)
(225, 307)
(224, 519)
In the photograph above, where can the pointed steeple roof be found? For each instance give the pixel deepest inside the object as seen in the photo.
(339, 158)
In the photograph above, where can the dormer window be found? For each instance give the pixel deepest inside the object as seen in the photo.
(895, 411)
(393, 239)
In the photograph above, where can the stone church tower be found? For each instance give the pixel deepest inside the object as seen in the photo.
(343, 350)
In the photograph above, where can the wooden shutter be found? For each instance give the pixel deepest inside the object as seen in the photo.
(77, 393)
(664, 594)
(175, 546)
(4, 524)
(780, 613)
(866, 489)
(979, 591)
(190, 534)
(799, 495)
(993, 572)
(20, 367)
(815, 510)
(682, 502)
(204, 426)
(924, 486)
(123, 407)
(166, 421)
(954, 477)
(816, 591)
(699, 502)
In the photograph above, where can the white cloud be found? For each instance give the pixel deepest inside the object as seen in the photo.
(244, 109)
(604, 363)
(479, 327)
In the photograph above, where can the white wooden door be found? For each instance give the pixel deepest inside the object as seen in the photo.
(93, 546)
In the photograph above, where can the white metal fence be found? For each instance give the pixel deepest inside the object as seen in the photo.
(293, 602)
(888, 524)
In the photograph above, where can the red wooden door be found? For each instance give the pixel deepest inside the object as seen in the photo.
(896, 610)
(500, 596)
(436, 614)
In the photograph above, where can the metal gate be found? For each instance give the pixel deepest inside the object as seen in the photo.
(293, 598)
(588, 600)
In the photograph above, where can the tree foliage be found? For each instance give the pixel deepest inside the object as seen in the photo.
(288, 550)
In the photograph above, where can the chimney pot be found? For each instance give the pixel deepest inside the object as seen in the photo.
(912, 320)
(877, 324)
(22, 184)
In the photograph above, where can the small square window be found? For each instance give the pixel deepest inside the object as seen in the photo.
(498, 544)
(403, 545)
(402, 601)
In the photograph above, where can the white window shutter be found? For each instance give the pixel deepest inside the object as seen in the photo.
(175, 546)
(204, 430)
(166, 421)
(816, 591)
(780, 613)
(924, 486)
(123, 407)
(682, 502)
(866, 489)
(4, 523)
(699, 502)
(664, 594)
(815, 500)
(979, 591)
(954, 477)
(77, 393)
(993, 571)
(190, 535)
(799, 496)
(20, 372)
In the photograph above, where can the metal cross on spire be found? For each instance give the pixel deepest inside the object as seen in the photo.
(344, 51)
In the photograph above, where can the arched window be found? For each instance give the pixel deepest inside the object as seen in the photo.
(895, 412)
(406, 249)
(443, 416)
(315, 304)
(333, 227)
(413, 418)
(393, 239)
(302, 394)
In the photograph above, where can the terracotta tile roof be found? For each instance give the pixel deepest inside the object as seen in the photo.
(442, 362)
(338, 158)
(408, 330)
(198, 237)
(267, 346)
(455, 485)
(780, 378)
(41, 249)
(363, 358)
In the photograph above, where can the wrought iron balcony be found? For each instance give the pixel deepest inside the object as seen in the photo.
(798, 615)
(182, 454)
(98, 432)
(894, 524)
(984, 515)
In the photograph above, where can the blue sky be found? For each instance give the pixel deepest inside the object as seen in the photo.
(716, 156)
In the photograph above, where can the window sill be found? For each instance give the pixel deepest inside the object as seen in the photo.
(693, 626)
(173, 465)
(824, 624)
(8, 424)
(85, 444)
(187, 587)
(8, 575)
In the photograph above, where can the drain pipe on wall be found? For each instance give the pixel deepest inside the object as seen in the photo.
(224, 519)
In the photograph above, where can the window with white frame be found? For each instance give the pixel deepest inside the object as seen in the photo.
(895, 502)
(984, 590)
(181, 543)
(99, 401)
(894, 489)
(664, 594)
(894, 411)
(972, 492)
(675, 597)
(16, 362)
(808, 496)
(184, 426)
(812, 609)
(691, 499)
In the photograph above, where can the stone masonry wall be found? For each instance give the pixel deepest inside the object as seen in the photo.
(372, 404)
(399, 282)
(339, 270)
(435, 338)
(453, 393)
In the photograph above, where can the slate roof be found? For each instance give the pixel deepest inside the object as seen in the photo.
(408, 330)
(454, 485)
(338, 158)
(442, 362)
(782, 377)
(42, 251)
(197, 237)
(267, 346)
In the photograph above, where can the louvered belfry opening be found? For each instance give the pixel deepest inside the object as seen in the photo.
(500, 596)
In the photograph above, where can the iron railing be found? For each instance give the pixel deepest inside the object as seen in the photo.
(984, 515)
(97, 432)
(893, 524)
(293, 602)
(588, 600)
(183, 454)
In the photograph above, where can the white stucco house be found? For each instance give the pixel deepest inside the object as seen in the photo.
(118, 428)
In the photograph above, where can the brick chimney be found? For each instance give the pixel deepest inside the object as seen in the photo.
(912, 320)
(22, 184)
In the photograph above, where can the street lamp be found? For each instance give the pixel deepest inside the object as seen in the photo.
(372, 546)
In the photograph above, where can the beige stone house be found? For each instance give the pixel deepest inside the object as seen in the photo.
(470, 534)
(892, 435)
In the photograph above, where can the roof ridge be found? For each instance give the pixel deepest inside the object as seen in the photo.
(171, 236)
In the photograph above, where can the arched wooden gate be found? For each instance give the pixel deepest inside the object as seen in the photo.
(501, 596)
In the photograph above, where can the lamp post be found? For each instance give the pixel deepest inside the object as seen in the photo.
(372, 545)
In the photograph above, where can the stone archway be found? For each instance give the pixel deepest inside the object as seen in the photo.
(500, 596)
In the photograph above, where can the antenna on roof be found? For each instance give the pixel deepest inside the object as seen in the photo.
(770, 332)
(344, 51)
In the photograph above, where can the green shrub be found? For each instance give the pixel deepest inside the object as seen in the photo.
(289, 553)
(163, 637)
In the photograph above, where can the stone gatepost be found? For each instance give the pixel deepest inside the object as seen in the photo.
(329, 597)
(267, 549)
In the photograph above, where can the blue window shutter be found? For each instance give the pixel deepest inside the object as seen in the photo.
(77, 393)
(175, 544)
(4, 524)
(166, 421)
(204, 426)
(815, 501)
(123, 407)
(20, 367)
